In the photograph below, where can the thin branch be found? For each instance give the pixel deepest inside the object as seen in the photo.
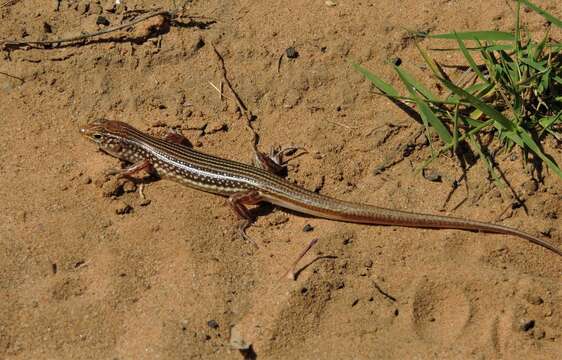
(87, 35)
(12, 76)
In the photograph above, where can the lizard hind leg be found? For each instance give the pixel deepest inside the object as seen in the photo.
(238, 203)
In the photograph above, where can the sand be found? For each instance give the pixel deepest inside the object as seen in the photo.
(89, 270)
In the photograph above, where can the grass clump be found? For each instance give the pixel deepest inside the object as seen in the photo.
(515, 92)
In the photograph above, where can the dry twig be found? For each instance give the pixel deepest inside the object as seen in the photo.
(16, 43)
(243, 109)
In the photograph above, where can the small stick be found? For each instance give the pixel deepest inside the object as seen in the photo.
(291, 274)
(87, 35)
(12, 76)
(7, 3)
(238, 101)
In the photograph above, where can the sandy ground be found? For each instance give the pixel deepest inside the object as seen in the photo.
(89, 270)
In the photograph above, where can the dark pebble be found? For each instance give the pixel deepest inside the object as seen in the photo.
(307, 228)
(396, 61)
(527, 325)
(198, 44)
(47, 28)
(292, 53)
(102, 20)
(547, 231)
(213, 324)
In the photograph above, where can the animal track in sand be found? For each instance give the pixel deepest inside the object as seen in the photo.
(440, 312)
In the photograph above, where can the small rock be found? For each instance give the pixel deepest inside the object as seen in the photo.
(368, 263)
(102, 20)
(396, 61)
(47, 28)
(307, 228)
(291, 53)
(530, 187)
(547, 231)
(431, 175)
(527, 325)
(535, 299)
(213, 324)
(354, 302)
(183, 325)
(198, 44)
(330, 3)
(123, 208)
(86, 180)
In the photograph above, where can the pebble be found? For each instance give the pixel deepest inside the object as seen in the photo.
(431, 175)
(291, 53)
(396, 61)
(197, 44)
(102, 20)
(330, 3)
(547, 231)
(307, 228)
(47, 28)
(213, 324)
(86, 180)
(368, 263)
(527, 325)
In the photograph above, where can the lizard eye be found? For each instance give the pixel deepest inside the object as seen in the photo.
(97, 136)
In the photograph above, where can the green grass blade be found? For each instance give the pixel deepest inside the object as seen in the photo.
(485, 108)
(418, 87)
(487, 160)
(472, 35)
(506, 47)
(540, 68)
(535, 149)
(548, 16)
(426, 114)
(471, 61)
(378, 82)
